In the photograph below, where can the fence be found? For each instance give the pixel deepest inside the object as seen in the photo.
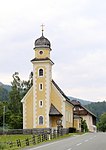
(24, 131)
(31, 131)
(37, 138)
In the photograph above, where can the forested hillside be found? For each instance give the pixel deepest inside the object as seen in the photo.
(10, 102)
(83, 102)
(11, 99)
(5, 86)
(3, 94)
(97, 108)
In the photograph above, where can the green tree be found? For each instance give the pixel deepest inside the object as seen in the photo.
(1, 113)
(3, 94)
(102, 123)
(84, 126)
(26, 85)
(16, 121)
(98, 108)
(13, 107)
(15, 95)
(19, 89)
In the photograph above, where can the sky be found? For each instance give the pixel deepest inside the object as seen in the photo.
(77, 32)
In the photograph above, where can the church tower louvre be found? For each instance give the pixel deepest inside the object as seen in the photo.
(42, 77)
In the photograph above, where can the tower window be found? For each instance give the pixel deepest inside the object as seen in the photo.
(40, 86)
(40, 120)
(41, 52)
(40, 103)
(40, 72)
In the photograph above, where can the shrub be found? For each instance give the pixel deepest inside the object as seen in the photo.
(72, 130)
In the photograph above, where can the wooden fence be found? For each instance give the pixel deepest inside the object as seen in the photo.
(37, 138)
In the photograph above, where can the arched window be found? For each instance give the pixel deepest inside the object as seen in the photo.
(40, 103)
(40, 72)
(41, 86)
(40, 120)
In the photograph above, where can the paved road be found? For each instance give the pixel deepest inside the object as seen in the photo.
(89, 141)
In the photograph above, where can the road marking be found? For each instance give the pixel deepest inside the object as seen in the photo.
(57, 142)
(69, 149)
(43, 146)
(79, 144)
(93, 137)
(86, 140)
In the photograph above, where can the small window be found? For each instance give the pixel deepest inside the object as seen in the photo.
(40, 103)
(67, 117)
(40, 72)
(41, 52)
(40, 86)
(40, 120)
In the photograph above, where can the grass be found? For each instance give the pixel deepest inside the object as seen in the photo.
(13, 138)
(4, 139)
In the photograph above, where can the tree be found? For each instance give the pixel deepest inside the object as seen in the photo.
(13, 107)
(19, 89)
(98, 108)
(15, 95)
(16, 121)
(102, 123)
(3, 94)
(2, 112)
(84, 126)
(26, 85)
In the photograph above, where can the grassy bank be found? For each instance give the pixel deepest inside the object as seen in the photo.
(4, 139)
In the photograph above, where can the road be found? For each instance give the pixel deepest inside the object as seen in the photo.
(89, 141)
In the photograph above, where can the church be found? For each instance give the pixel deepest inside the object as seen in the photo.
(45, 105)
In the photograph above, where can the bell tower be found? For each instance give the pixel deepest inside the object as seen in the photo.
(42, 77)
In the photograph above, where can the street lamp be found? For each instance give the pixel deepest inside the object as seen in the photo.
(59, 125)
(59, 122)
(3, 119)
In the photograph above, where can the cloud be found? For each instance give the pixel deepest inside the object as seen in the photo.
(77, 31)
(84, 77)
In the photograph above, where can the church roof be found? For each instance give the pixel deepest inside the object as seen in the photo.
(42, 59)
(42, 42)
(63, 94)
(76, 103)
(83, 111)
(54, 112)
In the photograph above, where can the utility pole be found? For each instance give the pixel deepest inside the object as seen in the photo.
(3, 119)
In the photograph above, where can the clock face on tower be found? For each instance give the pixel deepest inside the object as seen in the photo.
(40, 52)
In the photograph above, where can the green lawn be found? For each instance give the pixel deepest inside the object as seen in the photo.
(4, 139)
(7, 138)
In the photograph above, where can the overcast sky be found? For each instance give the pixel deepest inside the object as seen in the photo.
(77, 32)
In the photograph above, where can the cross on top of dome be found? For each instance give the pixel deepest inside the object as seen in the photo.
(42, 28)
(42, 42)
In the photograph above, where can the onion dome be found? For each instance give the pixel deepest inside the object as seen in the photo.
(42, 42)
